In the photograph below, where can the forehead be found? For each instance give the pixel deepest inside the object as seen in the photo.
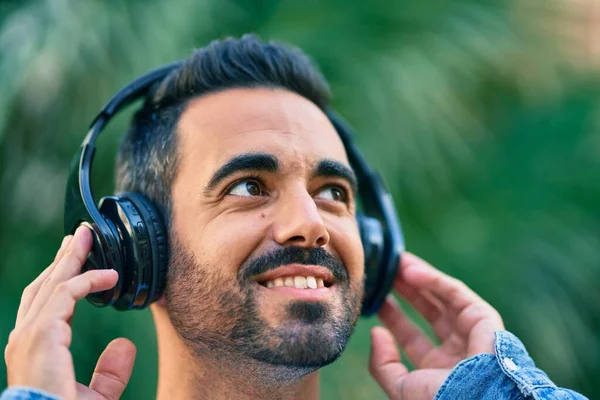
(216, 127)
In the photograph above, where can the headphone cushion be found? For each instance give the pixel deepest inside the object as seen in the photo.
(157, 234)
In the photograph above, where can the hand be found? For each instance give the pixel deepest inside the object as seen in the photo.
(463, 322)
(37, 354)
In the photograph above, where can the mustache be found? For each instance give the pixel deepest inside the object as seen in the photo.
(294, 255)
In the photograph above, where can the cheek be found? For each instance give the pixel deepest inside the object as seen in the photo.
(345, 242)
(226, 241)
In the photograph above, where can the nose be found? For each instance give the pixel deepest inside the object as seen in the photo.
(299, 223)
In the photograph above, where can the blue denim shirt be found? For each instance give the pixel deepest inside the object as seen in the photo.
(509, 374)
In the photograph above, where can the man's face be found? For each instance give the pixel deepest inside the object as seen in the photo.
(266, 258)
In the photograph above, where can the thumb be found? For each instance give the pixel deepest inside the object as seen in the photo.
(385, 365)
(113, 369)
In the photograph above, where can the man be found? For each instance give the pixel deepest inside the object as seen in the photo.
(266, 264)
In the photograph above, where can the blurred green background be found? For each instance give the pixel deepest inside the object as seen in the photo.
(482, 116)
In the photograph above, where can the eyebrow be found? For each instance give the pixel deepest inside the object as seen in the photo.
(330, 168)
(243, 162)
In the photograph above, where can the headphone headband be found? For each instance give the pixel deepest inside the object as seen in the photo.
(80, 204)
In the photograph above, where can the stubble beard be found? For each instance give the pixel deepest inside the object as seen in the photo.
(219, 320)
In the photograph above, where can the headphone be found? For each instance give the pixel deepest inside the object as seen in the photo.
(130, 235)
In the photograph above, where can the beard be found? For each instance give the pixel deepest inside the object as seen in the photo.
(219, 317)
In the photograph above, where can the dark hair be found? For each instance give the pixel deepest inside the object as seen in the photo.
(147, 159)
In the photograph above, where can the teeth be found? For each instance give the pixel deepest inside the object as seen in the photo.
(299, 282)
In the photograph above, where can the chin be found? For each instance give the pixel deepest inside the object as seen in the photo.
(307, 337)
(302, 347)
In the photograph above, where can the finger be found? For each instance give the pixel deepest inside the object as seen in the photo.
(385, 365)
(409, 336)
(61, 304)
(475, 320)
(75, 256)
(32, 289)
(68, 267)
(426, 304)
(114, 368)
(478, 322)
(63, 247)
(419, 274)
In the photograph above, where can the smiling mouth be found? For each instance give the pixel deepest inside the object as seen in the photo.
(309, 277)
(298, 282)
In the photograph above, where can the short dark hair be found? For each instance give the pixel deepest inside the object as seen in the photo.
(147, 159)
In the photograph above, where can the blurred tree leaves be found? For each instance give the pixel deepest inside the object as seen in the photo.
(487, 135)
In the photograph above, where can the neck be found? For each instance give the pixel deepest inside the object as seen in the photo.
(187, 375)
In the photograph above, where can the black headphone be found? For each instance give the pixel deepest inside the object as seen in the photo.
(130, 235)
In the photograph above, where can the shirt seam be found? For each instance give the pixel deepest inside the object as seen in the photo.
(504, 339)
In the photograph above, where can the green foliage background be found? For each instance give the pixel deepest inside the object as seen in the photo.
(486, 133)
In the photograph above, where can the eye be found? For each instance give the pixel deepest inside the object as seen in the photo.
(333, 193)
(246, 188)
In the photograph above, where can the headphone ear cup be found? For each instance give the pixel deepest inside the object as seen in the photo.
(143, 243)
(158, 245)
(372, 237)
(106, 253)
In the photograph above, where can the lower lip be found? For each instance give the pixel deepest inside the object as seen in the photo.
(300, 294)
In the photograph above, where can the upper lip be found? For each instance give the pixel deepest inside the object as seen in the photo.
(297, 270)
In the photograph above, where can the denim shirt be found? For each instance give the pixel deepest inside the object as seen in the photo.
(509, 374)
